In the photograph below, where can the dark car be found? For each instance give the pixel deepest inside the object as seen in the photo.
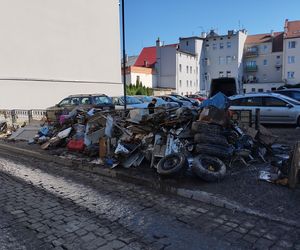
(183, 98)
(293, 93)
(84, 101)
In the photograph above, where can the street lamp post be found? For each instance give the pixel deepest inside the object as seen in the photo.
(124, 54)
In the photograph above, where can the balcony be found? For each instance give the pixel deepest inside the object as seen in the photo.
(251, 68)
(251, 52)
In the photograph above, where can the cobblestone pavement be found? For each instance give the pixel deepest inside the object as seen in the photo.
(46, 206)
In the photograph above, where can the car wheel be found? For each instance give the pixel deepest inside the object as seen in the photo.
(171, 164)
(209, 168)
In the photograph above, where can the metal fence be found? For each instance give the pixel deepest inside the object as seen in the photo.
(19, 116)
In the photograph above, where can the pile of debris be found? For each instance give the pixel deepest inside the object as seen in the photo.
(205, 141)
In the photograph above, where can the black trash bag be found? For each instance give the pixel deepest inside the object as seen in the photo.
(209, 168)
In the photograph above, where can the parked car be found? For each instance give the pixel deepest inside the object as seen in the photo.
(181, 103)
(293, 93)
(131, 102)
(84, 101)
(160, 101)
(199, 98)
(183, 98)
(274, 108)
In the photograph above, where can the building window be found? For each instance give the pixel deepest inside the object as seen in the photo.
(228, 59)
(180, 67)
(138, 79)
(291, 75)
(221, 74)
(180, 83)
(278, 57)
(265, 62)
(196, 69)
(291, 59)
(292, 44)
(253, 90)
(228, 73)
(191, 84)
(221, 60)
(228, 45)
(214, 46)
(265, 47)
(191, 69)
(260, 90)
(264, 76)
(187, 83)
(251, 63)
(197, 83)
(187, 43)
(221, 45)
(187, 69)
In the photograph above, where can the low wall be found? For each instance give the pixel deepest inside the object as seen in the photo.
(19, 116)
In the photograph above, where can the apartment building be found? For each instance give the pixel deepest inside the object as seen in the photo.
(222, 56)
(178, 65)
(48, 53)
(291, 52)
(263, 60)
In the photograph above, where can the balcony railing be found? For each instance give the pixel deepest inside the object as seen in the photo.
(251, 68)
(252, 53)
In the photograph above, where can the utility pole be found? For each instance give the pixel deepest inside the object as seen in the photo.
(124, 54)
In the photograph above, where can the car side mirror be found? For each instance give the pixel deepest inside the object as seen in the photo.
(289, 105)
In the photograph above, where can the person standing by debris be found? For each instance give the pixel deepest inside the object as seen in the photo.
(151, 106)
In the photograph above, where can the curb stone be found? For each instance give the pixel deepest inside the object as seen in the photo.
(160, 186)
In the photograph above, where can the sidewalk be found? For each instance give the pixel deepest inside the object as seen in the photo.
(240, 190)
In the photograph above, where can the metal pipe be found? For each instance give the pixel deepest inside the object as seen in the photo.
(124, 54)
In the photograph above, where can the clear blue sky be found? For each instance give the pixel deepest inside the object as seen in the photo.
(170, 19)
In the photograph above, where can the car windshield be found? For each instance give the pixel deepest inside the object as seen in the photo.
(131, 100)
(146, 99)
(291, 100)
(181, 98)
(102, 100)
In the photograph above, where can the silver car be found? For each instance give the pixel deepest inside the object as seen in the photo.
(274, 108)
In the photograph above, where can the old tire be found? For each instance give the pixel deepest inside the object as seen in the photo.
(205, 128)
(206, 138)
(219, 151)
(209, 168)
(172, 164)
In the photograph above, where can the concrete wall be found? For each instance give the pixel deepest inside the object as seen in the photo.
(288, 67)
(54, 43)
(166, 67)
(40, 95)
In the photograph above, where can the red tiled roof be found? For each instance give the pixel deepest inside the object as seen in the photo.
(148, 54)
(292, 29)
(277, 40)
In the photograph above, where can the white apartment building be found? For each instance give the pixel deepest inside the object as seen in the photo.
(263, 57)
(53, 48)
(222, 57)
(291, 52)
(177, 66)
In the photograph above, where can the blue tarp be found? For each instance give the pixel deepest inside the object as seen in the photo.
(219, 101)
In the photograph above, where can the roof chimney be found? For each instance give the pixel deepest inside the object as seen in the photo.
(158, 42)
(286, 26)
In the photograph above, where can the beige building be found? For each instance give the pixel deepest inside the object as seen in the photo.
(53, 48)
(222, 57)
(291, 52)
(263, 60)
